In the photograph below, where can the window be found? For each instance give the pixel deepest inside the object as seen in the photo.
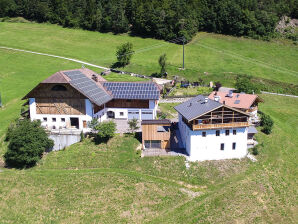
(121, 114)
(45, 119)
(54, 119)
(227, 132)
(222, 146)
(234, 132)
(62, 119)
(54, 127)
(204, 134)
(234, 146)
(128, 100)
(59, 88)
(217, 132)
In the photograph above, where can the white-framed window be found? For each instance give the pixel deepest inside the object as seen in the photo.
(62, 119)
(121, 113)
(227, 132)
(53, 120)
(45, 119)
(204, 134)
(222, 146)
(234, 132)
(217, 132)
(234, 145)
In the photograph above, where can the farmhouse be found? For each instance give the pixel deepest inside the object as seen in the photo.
(69, 99)
(211, 130)
(247, 103)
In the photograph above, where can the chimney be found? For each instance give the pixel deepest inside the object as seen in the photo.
(217, 98)
(190, 104)
(230, 93)
(224, 102)
(206, 100)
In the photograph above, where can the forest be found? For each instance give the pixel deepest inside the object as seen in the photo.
(161, 19)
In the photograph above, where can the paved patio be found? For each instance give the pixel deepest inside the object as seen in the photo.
(123, 127)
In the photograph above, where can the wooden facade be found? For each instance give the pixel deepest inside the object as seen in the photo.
(123, 103)
(222, 117)
(58, 99)
(150, 132)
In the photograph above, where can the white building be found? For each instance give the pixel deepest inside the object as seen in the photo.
(212, 131)
(68, 100)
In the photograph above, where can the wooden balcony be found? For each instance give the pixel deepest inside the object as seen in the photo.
(252, 109)
(196, 127)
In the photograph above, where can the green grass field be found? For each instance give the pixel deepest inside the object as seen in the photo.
(215, 54)
(112, 184)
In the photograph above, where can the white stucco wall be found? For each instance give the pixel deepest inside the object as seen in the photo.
(201, 148)
(59, 124)
(209, 147)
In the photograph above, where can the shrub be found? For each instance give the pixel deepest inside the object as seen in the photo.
(106, 130)
(244, 84)
(266, 123)
(27, 142)
(82, 136)
(162, 61)
(255, 151)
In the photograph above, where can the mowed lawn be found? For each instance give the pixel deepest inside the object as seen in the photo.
(214, 54)
(89, 183)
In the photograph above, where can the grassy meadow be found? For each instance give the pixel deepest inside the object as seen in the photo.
(110, 183)
(211, 55)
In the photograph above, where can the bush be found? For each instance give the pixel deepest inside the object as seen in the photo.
(106, 130)
(255, 151)
(244, 84)
(27, 142)
(266, 123)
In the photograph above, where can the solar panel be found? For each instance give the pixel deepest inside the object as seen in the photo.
(237, 102)
(132, 90)
(88, 87)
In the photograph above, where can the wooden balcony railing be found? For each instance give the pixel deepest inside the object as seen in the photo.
(216, 126)
(252, 109)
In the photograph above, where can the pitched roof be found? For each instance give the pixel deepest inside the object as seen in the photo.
(87, 87)
(252, 130)
(162, 121)
(238, 100)
(133, 90)
(196, 106)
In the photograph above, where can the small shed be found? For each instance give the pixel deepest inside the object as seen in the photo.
(156, 134)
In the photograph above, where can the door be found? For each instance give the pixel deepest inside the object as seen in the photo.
(133, 114)
(147, 115)
(74, 122)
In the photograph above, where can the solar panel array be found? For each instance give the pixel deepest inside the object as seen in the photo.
(126, 90)
(237, 102)
(88, 87)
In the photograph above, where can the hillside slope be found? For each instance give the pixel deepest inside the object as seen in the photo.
(211, 53)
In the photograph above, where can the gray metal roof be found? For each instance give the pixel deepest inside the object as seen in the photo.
(196, 106)
(133, 90)
(88, 87)
(252, 130)
(161, 121)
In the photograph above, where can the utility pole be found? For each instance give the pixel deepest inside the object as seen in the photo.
(183, 51)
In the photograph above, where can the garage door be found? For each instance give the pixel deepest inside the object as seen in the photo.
(147, 115)
(152, 144)
(133, 114)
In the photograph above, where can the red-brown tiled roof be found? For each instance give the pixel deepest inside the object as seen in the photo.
(238, 100)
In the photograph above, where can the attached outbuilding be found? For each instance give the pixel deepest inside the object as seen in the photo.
(156, 134)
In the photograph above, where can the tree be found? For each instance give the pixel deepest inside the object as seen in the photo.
(27, 142)
(266, 123)
(124, 54)
(244, 84)
(105, 131)
(133, 125)
(162, 61)
(93, 124)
